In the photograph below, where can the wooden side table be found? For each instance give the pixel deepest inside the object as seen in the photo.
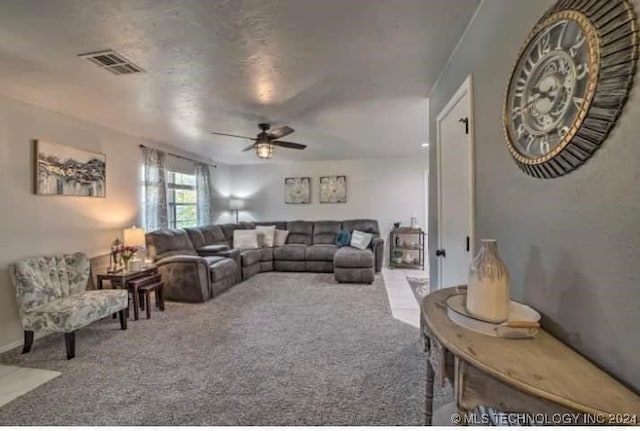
(143, 287)
(133, 281)
(541, 378)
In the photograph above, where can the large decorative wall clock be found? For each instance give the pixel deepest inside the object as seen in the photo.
(569, 84)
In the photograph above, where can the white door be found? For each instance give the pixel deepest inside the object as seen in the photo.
(455, 188)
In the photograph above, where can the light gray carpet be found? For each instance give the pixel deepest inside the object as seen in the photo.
(278, 349)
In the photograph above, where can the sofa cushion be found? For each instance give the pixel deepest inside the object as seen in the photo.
(213, 259)
(363, 225)
(251, 257)
(322, 252)
(212, 249)
(289, 265)
(245, 239)
(75, 311)
(223, 269)
(300, 232)
(169, 242)
(289, 252)
(282, 225)
(227, 230)
(325, 232)
(349, 257)
(207, 235)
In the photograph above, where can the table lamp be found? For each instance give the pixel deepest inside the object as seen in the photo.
(134, 236)
(236, 205)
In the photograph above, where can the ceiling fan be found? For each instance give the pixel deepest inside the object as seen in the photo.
(267, 139)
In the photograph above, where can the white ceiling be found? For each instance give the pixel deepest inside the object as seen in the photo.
(351, 76)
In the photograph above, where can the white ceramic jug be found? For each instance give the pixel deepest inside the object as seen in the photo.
(488, 291)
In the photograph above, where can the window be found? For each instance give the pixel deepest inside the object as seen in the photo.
(182, 200)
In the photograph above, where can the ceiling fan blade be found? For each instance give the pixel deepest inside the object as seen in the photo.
(291, 145)
(250, 147)
(233, 136)
(280, 132)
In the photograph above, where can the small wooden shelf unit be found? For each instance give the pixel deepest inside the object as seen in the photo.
(397, 246)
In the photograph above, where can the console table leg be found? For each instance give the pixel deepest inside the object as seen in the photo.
(428, 405)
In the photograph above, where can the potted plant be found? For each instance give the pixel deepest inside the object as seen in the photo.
(397, 255)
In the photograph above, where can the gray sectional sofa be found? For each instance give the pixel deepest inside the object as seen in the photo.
(198, 263)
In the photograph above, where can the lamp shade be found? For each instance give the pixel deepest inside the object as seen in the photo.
(236, 204)
(134, 236)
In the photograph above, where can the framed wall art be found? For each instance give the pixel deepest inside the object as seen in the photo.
(61, 170)
(297, 190)
(333, 189)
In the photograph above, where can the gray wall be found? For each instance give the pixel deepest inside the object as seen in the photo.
(387, 190)
(35, 225)
(572, 244)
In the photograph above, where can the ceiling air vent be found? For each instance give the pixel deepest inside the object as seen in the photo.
(112, 61)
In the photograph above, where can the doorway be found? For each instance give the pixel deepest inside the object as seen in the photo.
(455, 179)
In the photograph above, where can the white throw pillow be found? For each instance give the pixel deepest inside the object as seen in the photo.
(244, 239)
(360, 240)
(280, 238)
(266, 235)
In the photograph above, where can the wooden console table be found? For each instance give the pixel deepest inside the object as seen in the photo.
(541, 378)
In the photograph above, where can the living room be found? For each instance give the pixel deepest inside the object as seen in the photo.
(340, 110)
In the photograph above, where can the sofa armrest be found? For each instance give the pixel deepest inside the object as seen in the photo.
(377, 246)
(185, 278)
(233, 253)
(180, 258)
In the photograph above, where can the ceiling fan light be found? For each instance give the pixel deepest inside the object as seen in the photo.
(264, 150)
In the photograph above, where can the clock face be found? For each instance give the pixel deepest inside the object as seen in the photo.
(569, 84)
(549, 88)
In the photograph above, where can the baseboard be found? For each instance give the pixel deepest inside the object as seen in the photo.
(17, 343)
(11, 346)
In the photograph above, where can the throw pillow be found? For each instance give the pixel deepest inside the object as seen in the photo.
(343, 238)
(280, 237)
(266, 235)
(360, 240)
(244, 239)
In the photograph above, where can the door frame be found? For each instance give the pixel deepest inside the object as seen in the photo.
(465, 88)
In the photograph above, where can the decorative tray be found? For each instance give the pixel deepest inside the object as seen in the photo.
(523, 321)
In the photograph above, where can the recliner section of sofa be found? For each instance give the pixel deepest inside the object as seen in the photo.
(198, 263)
(188, 276)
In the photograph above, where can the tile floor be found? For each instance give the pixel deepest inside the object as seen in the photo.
(404, 306)
(15, 381)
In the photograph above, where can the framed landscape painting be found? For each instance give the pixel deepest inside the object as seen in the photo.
(66, 171)
(297, 190)
(333, 189)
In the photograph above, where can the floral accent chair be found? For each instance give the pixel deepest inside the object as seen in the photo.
(52, 297)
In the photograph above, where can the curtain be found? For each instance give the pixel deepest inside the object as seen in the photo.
(203, 191)
(155, 211)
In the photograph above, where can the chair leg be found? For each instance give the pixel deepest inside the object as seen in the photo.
(28, 342)
(123, 318)
(141, 300)
(70, 342)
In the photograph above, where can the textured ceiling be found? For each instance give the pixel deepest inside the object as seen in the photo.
(351, 76)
